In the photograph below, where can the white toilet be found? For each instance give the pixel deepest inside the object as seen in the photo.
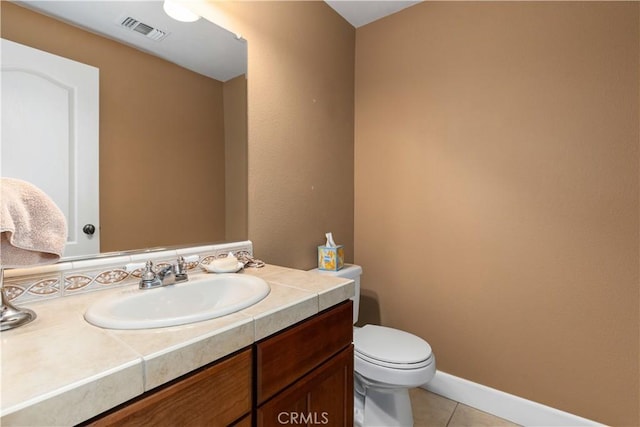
(387, 363)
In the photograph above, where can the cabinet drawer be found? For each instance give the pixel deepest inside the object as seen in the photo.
(284, 358)
(214, 396)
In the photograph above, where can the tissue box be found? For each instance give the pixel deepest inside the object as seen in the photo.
(330, 258)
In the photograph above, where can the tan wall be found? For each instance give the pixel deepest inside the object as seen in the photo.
(235, 152)
(496, 193)
(144, 149)
(300, 109)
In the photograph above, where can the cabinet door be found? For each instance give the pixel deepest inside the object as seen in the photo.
(322, 397)
(244, 422)
(215, 396)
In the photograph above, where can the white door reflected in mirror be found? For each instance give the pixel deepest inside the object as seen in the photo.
(50, 108)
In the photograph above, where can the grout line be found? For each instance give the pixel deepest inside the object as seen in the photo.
(452, 412)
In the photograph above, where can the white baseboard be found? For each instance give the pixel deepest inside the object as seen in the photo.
(504, 405)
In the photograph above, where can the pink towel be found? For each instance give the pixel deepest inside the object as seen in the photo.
(33, 230)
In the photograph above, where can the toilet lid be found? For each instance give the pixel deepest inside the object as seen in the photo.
(390, 345)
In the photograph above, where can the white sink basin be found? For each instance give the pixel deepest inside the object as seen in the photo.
(201, 298)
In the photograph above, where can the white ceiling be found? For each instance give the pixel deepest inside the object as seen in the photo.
(197, 46)
(362, 12)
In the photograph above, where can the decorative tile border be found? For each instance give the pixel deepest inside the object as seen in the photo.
(76, 277)
(82, 281)
(32, 288)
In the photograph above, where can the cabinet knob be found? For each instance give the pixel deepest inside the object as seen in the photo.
(89, 229)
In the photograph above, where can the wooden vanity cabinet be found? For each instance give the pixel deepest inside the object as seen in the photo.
(216, 395)
(300, 376)
(304, 375)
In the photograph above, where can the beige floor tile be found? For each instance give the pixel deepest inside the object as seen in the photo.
(465, 416)
(429, 409)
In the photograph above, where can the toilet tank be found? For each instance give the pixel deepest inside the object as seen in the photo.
(349, 271)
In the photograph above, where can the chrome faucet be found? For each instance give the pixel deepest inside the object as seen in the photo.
(169, 275)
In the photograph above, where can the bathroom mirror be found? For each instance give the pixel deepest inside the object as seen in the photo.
(172, 154)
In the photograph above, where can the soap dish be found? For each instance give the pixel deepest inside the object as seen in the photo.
(213, 269)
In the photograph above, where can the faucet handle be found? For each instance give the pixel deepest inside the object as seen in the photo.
(149, 278)
(148, 274)
(181, 266)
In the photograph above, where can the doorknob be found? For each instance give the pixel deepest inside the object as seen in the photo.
(89, 229)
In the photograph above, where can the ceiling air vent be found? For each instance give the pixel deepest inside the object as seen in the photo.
(140, 27)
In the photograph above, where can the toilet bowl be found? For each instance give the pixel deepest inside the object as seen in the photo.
(387, 363)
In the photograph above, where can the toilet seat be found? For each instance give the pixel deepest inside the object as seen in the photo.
(391, 348)
(404, 366)
(383, 377)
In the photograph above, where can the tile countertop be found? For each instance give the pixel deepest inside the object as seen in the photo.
(61, 370)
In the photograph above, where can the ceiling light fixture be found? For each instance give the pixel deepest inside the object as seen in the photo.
(179, 12)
